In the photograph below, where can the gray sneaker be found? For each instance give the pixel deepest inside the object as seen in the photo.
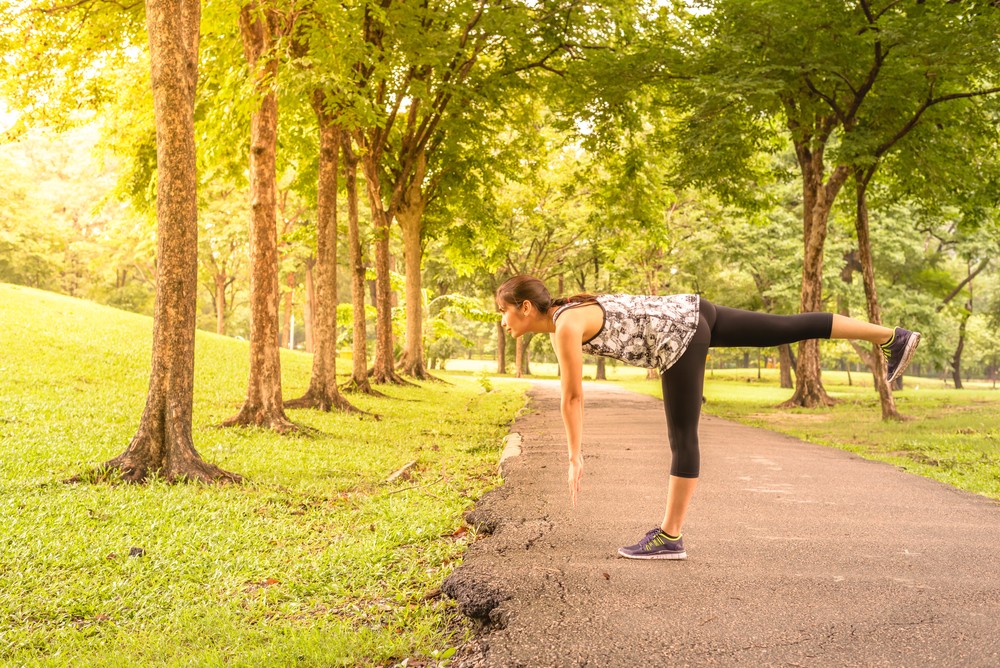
(655, 545)
(898, 352)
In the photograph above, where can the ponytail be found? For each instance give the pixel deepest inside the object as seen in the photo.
(582, 298)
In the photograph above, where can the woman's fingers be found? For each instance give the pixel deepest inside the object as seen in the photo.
(573, 478)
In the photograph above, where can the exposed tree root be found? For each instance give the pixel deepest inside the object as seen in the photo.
(419, 372)
(353, 386)
(260, 416)
(388, 377)
(809, 401)
(146, 458)
(321, 402)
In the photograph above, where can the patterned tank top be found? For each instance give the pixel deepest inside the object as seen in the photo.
(647, 331)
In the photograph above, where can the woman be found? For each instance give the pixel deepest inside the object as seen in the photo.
(672, 334)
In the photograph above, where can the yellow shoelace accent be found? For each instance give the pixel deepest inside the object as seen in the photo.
(887, 346)
(659, 540)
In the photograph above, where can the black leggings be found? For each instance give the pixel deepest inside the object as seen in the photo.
(720, 326)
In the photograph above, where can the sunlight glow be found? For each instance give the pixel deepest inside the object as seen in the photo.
(7, 118)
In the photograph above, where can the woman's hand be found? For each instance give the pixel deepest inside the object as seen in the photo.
(573, 476)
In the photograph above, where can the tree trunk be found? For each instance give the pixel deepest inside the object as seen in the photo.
(285, 338)
(309, 307)
(163, 442)
(956, 360)
(817, 201)
(785, 364)
(410, 217)
(323, 393)
(526, 355)
(501, 349)
(359, 341)
(889, 410)
(220, 303)
(602, 373)
(383, 368)
(263, 406)
(519, 357)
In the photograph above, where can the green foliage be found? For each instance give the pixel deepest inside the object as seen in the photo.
(314, 560)
(62, 60)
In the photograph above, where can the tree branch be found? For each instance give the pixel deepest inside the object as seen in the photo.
(928, 103)
(887, 8)
(541, 63)
(954, 293)
(826, 98)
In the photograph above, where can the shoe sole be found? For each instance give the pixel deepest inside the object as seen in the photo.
(668, 555)
(911, 346)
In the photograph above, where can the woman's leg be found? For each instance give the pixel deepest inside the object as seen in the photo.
(736, 328)
(682, 385)
(684, 382)
(680, 491)
(849, 328)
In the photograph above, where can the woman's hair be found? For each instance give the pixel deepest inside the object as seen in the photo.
(519, 289)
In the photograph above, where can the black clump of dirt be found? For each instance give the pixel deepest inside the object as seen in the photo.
(477, 595)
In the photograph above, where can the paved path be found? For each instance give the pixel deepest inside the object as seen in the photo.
(799, 555)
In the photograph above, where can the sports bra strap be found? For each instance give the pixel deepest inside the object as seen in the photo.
(566, 307)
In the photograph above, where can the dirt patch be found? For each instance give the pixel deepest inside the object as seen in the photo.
(477, 595)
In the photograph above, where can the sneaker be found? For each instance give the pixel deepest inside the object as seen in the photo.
(655, 545)
(898, 351)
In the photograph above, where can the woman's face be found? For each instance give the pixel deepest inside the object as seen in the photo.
(515, 318)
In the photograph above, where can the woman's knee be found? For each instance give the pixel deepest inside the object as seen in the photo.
(685, 454)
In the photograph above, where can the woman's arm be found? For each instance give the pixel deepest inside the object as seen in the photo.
(568, 341)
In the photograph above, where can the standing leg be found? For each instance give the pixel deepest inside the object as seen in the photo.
(682, 391)
(683, 384)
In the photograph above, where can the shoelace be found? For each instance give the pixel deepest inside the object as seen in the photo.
(648, 538)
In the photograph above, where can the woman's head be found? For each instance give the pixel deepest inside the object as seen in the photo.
(520, 289)
(524, 302)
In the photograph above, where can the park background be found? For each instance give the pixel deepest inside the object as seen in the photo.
(400, 159)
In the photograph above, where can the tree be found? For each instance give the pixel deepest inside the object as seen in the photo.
(359, 372)
(260, 27)
(375, 75)
(828, 81)
(163, 443)
(323, 393)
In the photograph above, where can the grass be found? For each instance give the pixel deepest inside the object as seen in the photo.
(948, 435)
(314, 561)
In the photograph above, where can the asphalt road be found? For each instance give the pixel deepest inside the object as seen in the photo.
(798, 555)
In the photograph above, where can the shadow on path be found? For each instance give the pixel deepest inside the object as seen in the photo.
(798, 554)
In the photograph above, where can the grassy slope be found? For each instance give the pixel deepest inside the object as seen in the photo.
(949, 435)
(314, 561)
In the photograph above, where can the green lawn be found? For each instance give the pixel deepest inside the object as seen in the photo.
(949, 435)
(314, 560)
